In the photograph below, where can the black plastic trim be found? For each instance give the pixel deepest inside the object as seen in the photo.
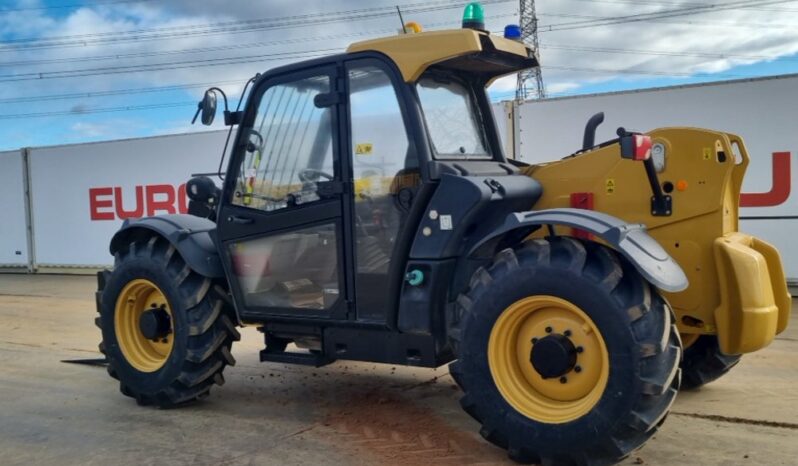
(192, 236)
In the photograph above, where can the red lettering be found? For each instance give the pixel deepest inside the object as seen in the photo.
(137, 212)
(779, 191)
(182, 199)
(167, 204)
(95, 204)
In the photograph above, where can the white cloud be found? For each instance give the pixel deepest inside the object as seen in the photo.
(561, 87)
(707, 43)
(83, 130)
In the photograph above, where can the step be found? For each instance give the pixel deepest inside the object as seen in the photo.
(289, 357)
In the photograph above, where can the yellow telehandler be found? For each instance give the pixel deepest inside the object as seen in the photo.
(368, 213)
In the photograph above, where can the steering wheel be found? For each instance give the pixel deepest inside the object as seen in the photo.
(310, 175)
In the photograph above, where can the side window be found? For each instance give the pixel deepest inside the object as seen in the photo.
(289, 147)
(386, 176)
(379, 142)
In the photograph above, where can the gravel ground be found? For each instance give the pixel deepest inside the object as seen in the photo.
(344, 413)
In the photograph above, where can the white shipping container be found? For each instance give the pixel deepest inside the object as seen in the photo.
(13, 237)
(760, 110)
(81, 193)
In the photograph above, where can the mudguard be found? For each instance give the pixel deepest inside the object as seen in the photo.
(632, 241)
(190, 235)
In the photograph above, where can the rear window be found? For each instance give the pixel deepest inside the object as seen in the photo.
(453, 120)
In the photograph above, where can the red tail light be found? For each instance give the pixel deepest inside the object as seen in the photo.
(642, 147)
(636, 147)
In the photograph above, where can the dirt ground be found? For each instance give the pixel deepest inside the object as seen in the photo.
(52, 413)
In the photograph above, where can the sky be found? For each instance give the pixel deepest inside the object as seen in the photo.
(75, 71)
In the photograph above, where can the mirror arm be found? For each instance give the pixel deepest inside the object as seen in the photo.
(199, 109)
(232, 118)
(224, 96)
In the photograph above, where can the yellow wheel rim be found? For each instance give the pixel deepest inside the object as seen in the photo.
(140, 352)
(550, 400)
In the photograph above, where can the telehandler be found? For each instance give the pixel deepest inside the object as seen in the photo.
(368, 213)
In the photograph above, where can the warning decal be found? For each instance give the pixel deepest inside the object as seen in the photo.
(364, 148)
(610, 185)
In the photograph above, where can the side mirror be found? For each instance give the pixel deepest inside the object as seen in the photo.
(206, 107)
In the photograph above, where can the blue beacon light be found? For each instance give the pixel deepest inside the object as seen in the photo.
(512, 32)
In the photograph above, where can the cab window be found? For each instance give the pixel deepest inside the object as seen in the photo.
(453, 120)
(288, 149)
(386, 179)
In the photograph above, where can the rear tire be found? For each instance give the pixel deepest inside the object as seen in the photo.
(200, 334)
(704, 362)
(635, 329)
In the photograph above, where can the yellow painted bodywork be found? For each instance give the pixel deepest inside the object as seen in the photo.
(737, 285)
(414, 53)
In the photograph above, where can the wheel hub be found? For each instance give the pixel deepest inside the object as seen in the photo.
(553, 356)
(155, 324)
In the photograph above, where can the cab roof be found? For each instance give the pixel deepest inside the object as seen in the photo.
(465, 50)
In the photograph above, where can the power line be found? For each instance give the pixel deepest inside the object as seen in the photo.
(162, 66)
(725, 24)
(125, 56)
(97, 110)
(705, 22)
(230, 27)
(641, 72)
(663, 3)
(118, 92)
(657, 15)
(78, 5)
(111, 93)
(666, 53)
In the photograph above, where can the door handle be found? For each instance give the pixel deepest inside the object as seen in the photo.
(240, 220)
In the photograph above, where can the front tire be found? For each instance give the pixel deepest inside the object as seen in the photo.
(167, 332)
(576, 296)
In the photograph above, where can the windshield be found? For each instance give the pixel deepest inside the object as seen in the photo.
(453, 122)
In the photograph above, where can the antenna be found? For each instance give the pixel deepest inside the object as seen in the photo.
(401, 20)
(530, 82)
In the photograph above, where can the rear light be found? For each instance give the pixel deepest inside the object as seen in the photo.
(636, 147)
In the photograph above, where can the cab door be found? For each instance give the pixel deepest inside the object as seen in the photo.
(282, 223)
(386, 174)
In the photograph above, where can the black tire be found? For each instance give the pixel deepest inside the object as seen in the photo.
(635, 322)
(704, 362)
(202, 327)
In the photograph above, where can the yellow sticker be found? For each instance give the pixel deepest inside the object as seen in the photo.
(610, 185)
(364, 148)
(707, 153)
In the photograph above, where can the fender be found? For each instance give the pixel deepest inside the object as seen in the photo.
(632, 241)
(190, 235)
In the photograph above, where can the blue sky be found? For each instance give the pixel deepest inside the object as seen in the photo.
(44, 44)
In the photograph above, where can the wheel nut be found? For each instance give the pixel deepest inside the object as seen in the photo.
(548, 329)
(567, 333)
(578, 369)
(563, 379)
(579, 349)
